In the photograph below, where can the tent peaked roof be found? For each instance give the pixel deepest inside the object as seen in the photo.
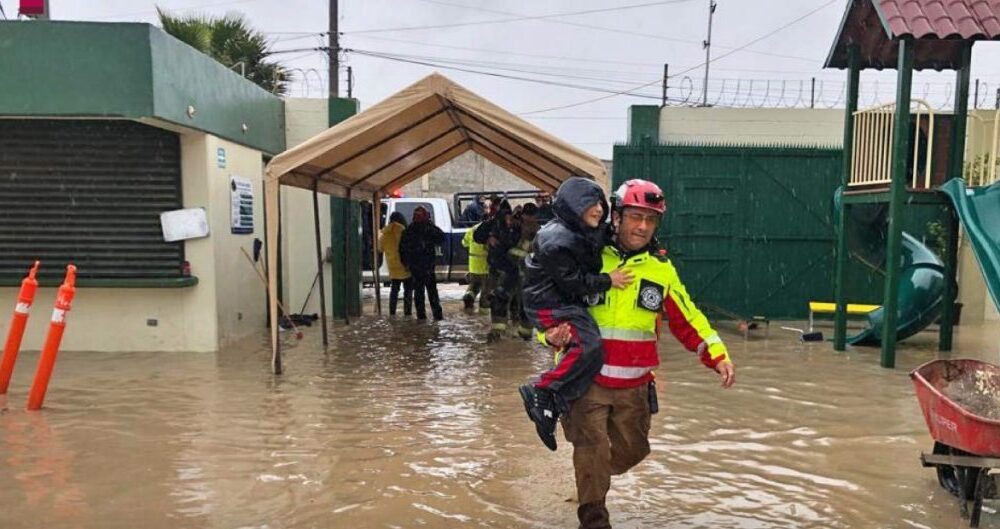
(419, 128)
(940, 29)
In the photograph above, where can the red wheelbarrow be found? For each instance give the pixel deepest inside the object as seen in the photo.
(960, 400)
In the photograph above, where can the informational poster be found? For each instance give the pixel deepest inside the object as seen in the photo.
(242, 204)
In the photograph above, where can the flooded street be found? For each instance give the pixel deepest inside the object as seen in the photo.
(407, 424)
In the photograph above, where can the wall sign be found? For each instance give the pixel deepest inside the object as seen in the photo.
(241, 208)
(183, 224)
(220, 157)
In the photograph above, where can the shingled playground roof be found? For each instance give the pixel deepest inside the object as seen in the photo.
(939, 28)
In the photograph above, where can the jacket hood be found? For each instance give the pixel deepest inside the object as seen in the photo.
(574, 197)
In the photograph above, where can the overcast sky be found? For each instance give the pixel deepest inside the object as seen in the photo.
(621, 49)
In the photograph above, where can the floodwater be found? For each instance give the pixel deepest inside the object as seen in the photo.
(406, 424)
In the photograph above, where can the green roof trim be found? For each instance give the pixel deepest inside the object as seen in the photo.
(131, 71)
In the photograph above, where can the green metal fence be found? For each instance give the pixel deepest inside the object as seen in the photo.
(750, 228)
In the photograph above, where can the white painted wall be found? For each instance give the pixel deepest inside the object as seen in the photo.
(784, 126)
(304, 118)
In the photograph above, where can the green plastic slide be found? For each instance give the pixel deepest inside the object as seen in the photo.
(979, 211)
(918, 304)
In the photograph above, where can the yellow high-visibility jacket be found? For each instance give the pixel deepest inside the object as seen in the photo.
(477, 253)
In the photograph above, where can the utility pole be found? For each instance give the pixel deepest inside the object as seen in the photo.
(350, 83)
(333, 51)
(666, 77)
(707, 44)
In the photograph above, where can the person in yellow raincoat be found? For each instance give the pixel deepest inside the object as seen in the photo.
(388, 243)
(479, 284)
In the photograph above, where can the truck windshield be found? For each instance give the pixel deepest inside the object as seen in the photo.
(406, 208)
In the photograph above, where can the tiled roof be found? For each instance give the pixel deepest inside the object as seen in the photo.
(940, 30)
(942, 19)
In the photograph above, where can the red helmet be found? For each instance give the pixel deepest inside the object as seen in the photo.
(640, 194)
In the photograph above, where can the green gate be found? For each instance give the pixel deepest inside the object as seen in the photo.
(749, 228)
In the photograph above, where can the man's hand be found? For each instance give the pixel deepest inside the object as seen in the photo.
(558, 336)
(492, 241)
(727, 372)
(621, 278)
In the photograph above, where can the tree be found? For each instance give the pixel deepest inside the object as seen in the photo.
(232, 42)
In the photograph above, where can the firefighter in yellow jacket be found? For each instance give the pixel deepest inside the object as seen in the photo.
(478, 277)
(609, 425)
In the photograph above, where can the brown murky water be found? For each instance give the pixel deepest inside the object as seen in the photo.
(403, 424)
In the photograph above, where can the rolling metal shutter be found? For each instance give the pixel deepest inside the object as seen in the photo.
(88, 192)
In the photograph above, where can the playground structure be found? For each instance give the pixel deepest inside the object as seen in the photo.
(890, 158)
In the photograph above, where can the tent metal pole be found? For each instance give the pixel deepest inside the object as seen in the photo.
(319, 263)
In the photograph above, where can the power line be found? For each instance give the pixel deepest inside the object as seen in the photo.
(492, 74)
(717, 58)
(172, 10)
(585, 59)
(514, 67)
(628, 32)
(518, 18)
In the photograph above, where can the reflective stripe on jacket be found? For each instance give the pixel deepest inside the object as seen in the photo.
(477, 253)
(629, 320)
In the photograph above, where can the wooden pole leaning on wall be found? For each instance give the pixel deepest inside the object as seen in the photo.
(319, 263)
(376, 275)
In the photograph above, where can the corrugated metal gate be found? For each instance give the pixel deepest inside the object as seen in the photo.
(749, 228)
(88, 192)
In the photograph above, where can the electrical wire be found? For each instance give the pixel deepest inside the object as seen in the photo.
(628, 32)
(518, 18)
(719, 57)
(492, 74)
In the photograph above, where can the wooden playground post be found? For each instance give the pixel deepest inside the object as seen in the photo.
(956, 164)
(840, 313)
(897, 191)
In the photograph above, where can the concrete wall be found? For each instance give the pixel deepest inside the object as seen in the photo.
(304, 118)
(784, 126)
(468, 172)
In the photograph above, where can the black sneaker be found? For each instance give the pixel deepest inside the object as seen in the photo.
(469, 300)
(540, 409)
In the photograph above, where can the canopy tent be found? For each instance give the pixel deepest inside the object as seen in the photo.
(402, 138)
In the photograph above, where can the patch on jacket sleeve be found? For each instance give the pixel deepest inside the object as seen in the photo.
(650, 295)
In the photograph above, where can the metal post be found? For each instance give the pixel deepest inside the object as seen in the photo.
(840, 312)
(350, 82)
(956, 164)
(975, 98)
(319, 263)
(348, 233)
(666, 76)
(707, 44)
(376, 276)
(333, 51)
(812, 94)
(894, 238)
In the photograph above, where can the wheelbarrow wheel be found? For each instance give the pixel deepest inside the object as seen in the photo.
(952, 478)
